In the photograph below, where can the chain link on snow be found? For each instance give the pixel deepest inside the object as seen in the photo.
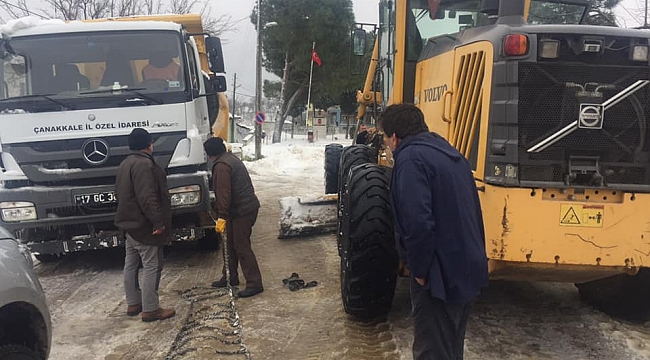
(199, 318)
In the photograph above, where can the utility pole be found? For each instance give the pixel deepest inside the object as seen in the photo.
(231, 133)
(258, 86)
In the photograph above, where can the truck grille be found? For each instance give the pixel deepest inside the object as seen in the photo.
(547, 104)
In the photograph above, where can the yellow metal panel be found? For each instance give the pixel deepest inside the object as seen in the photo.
(433, 77)
(397, 94)
(522, 226)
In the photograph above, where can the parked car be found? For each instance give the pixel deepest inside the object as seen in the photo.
(25, 325)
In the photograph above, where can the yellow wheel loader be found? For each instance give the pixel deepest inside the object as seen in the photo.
(553, 116)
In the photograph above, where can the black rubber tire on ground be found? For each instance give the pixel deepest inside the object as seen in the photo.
(623, 296)
(332, 158)
(351, 156)
(18, 352)
(210, 242)
(47, 258)
(369, 259)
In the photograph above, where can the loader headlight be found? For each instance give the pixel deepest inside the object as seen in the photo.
(18, 211)
(549, 49)
(185, 195)
(639, 53)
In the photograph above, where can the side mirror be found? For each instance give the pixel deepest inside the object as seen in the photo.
(218, 84)
(215, 54)
(359, 42)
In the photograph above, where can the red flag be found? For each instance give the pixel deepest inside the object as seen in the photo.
(315, 58)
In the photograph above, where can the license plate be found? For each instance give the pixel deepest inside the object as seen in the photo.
(100, 198)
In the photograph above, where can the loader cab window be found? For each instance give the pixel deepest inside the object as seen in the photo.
(452, 17)
(551, 12)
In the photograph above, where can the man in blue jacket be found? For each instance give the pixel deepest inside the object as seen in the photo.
(438, 218)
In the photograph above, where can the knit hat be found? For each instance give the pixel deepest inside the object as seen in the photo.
(139, 139)
(214, 146)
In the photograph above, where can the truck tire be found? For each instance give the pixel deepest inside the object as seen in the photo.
(623, 296)
(369, 259)
(332, 158)
(350, 156)
(210, 242)
(18, 352)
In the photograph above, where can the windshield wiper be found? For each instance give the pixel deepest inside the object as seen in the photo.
(46, 97)
(135, 91)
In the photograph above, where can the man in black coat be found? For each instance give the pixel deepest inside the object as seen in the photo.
(438, 217)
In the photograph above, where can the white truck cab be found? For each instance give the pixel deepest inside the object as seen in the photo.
(72, 93)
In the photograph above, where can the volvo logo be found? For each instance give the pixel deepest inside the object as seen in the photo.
(591, 116)
(95, 151)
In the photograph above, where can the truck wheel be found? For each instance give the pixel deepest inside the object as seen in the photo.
(350, 156)
(332, 158)
(18, 352)
(369, 258)
(210, 241)
(624, 296)
(47, 258)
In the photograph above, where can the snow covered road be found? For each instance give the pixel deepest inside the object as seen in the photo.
(511, 320)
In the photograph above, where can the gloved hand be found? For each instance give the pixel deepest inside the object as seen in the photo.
(221, 226)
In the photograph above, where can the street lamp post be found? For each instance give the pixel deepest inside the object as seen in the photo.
(258, 85)
(258, 80)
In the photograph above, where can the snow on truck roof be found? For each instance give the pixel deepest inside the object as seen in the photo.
(35, 26)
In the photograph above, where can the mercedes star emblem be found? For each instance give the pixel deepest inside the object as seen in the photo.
(95, 151)
(92, 117)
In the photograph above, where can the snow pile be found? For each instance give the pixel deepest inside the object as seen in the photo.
(12, 26)
(299, 166)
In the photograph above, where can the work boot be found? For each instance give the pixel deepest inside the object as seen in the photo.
(160, 314)
(133, 310)
(248, 292)
(222, 283)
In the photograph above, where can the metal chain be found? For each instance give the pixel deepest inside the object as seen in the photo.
(187, 341)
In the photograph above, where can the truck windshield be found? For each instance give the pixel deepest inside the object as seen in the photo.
(79, 65)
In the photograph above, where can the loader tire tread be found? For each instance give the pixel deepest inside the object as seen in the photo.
(369, 261)
(332, 158)
(351, 156)
(623, 296)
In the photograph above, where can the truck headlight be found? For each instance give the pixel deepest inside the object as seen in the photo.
(639, 53)
(185, 195)
(18, 211)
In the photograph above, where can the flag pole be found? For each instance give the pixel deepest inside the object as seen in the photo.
(311, 71)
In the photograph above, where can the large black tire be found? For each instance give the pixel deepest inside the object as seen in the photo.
(210, 242)
(332, 158)
(18, 352)
(351, 156)
(369, 258)
(623, 296)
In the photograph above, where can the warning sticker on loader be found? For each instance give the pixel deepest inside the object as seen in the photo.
(582, 215)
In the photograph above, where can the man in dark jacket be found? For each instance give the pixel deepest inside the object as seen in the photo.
(237, 207)
(144, 214)
(362, 136)
(438, 217)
